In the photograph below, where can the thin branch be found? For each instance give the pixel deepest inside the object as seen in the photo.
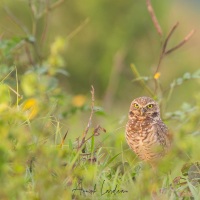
(165, 46)
(153, 17)
(165, 52)
(96, 132)
(187, 37)
(89, 121)
(169, 36)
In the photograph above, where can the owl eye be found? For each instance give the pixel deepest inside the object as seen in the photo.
(150, 106)
(136, 105)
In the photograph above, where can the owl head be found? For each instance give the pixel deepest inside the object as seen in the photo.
(144, 107)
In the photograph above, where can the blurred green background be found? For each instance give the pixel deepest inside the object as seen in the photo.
(100, 41)
(51, 52)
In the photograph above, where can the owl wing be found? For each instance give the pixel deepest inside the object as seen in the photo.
(162, 134)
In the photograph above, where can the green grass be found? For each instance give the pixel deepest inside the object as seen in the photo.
(36, 163)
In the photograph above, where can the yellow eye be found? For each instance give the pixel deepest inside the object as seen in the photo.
(150, 106)
(136, 105)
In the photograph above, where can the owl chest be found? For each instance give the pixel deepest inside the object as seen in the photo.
(140, 130)
(141, 137)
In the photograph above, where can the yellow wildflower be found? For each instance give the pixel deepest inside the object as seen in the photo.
(57, 46)
(157, 75)
(78, 100)
(31, 108)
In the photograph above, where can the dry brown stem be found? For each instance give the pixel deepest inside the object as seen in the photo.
(164, 50)
(63, 140)
(153, 17)
(89, 121)
(187, 37)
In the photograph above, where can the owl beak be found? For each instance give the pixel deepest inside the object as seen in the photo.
(142, 111)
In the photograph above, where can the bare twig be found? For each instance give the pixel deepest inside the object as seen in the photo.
(89, 121)
(169, 36)
(153, 17)
(163, 51)
(96, 132)
(187, 37)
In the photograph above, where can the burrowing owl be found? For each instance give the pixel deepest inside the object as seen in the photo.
(146, 134)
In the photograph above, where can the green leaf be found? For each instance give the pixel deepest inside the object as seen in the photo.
(48, 83)
(29, 84)
(92, 144)
(99, 111)
(6, 46)
(62, 71)
(187, 76)
(5, 94)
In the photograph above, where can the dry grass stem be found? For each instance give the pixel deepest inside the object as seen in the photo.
(89, 121)
(63, 140)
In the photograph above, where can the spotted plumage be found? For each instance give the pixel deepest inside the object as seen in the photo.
(146, 134)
